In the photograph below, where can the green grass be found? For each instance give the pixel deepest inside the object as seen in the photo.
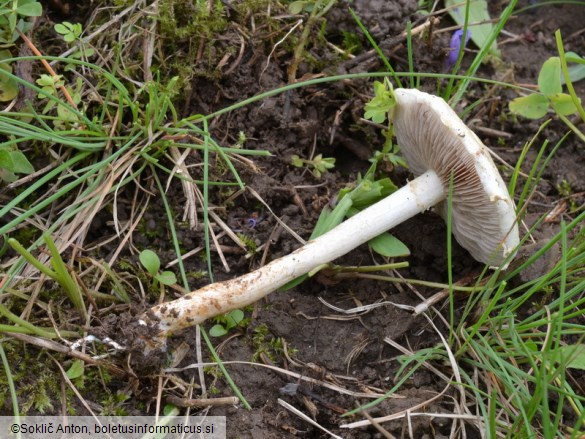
(512, 344)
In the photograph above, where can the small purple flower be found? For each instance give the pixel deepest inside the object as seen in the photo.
(455, 47)
(252, 222)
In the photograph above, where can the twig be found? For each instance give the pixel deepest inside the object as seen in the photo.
(48, 67)
(202, 402)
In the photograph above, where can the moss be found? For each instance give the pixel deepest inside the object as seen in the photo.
(352, 42)
(187, 29)
(566, 191)
(266, 343)
(113, 404)
(250, 244)
(37, 382)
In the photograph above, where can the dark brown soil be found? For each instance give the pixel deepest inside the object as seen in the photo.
(325, 119)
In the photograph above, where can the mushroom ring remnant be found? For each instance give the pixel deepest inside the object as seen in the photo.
(440, 149)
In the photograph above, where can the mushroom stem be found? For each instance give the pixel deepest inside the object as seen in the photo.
(417, 196)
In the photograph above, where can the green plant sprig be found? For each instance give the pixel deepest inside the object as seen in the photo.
(318, 165)
(59, 274)
(226, 323)
(535, 106)
(317, 9)
(151, 262)
(11, 18)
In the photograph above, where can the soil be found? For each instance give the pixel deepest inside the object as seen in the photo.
(295, 330)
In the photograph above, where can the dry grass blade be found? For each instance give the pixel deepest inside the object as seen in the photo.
(295, 375)
(399, 415)
(282, 223)
(378, 427)
(73, 388)
(301, 415)
(228, 231)
(190, 210)
(202, 402)
(364, 309)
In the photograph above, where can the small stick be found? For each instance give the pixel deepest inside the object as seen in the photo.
(48, 67)
(202, 402)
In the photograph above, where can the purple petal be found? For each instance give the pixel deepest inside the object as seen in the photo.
(455, 46)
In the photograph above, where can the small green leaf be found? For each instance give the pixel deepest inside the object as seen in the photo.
(549, 78)
(60, 28)
(533, 106)
(12, 22)
(150, 261)
(576, 72)
(33, 9)
(5, 54)
(297, 7)
(574, 57)
(389, 246)
(563, 104)
(8, 90)
(66, 115)
(328, 219)
(217, 331)
(76, 370)
(296, 161)
(20, 163)
(166, 278)
(7, 176)
(370, 192)
(574, 355)
(236, 316)
(49, 81)
(6, 160)
(383, 101)
(170, 410)
(69, 31)
(8, 86)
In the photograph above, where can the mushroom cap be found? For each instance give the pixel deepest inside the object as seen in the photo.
(432, 137)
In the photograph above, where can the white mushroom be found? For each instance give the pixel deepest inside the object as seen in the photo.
(436, 145)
